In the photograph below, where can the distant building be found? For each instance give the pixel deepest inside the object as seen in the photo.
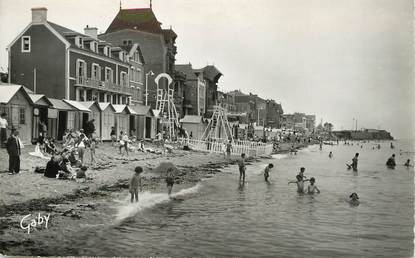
(274, 113)
(211, 75)
(61, 63)
(157, 45)
(194, 90)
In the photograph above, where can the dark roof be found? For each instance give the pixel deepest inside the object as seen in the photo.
(138, 19)
(65, 31)
(151, 45)
(211, 73)
(61, 105)
(187, 70)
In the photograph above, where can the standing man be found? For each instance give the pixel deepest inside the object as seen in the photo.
(3, 129)
(14, 146)
(228, 149)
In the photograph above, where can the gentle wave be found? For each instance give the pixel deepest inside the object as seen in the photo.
(148, 200)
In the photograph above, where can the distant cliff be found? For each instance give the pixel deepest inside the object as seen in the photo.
(367, 134)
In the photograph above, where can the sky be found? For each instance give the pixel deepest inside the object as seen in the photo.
(340, 60)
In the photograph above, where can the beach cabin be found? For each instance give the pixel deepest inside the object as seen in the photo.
(43, 111)
(132, 129)
(95, 114)
(145, 122)
(194, 125)
(107, 120)
(17, 104)
(122, 119)
(81, 116)
(65, 114)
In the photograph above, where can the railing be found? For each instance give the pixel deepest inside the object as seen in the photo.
(238, 147)
(102, 85)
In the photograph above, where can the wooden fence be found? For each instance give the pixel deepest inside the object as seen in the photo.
(238, 147)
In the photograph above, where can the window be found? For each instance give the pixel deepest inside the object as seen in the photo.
(26, 44)
(96, 47)
(123, 79)
(80, 70)
(106, 51)
(96, 72)
(127, 42)
(93, 46)
(22, 115)
(79, 41)
(122, 56)
(109, 75)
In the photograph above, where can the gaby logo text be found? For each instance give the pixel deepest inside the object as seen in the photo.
(28, 223)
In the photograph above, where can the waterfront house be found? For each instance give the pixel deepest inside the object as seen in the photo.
(61, 63)
(140, 26)
(107, 120)
(17, 104)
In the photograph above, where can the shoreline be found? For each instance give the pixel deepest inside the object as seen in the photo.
(81, 202)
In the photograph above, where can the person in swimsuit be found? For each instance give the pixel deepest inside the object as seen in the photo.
(242, 168)
(135, 183)
(354, 199)
(300, 181)
(170, 180)
(266, 171)
(408, 163)
(390, 163)
(312, 188)
(330, 154)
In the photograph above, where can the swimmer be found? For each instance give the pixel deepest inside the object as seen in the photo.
(354, 199)
(312, 188)
(408, 163)
(354, 162)
(300, 181)
(391, 162)
(330, 154)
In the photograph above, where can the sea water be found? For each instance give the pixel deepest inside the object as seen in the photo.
(217, 217)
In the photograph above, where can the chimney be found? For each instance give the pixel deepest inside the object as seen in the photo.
(91, 31)
(39, 15)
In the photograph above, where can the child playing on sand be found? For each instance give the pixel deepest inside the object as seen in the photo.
(312, 188)
(242, 168)
(266, 171)
(135, 183)
(81, 173)
(300, 181)
(170, 180)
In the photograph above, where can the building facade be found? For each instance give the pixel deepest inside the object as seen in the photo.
(53, 60)
(140, 26)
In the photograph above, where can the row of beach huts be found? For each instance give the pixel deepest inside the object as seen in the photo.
(26, 110)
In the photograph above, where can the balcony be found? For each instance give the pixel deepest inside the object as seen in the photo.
(102, 85)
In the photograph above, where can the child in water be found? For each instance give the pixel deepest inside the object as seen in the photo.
(408, 163)
(354, 199)
(135, 182)
(330, 154)
(312, 188)
(169, 180)
(266, 171)
(242, 168)
(300, 181)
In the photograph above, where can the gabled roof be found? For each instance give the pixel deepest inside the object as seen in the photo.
(142, 110)
(7, 92)
(187, 69)
(78, 105)
(104, 105)
(89, 104)
(138, 19)
(132, 48)
(119, 108)
(61, 105)
(131, 111)
(38, 98)
(191, 119)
